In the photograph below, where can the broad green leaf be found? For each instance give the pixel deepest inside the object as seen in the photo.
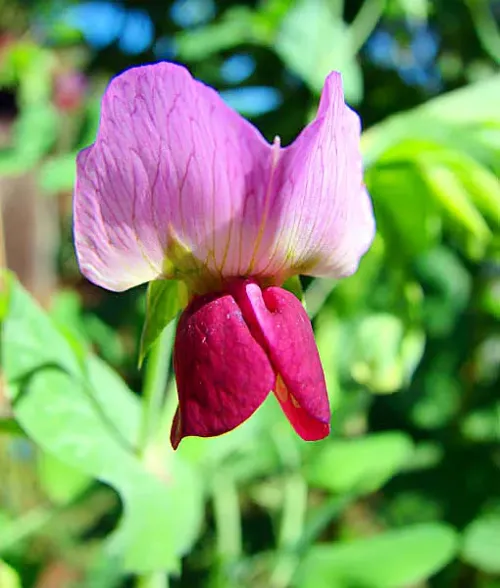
(164, 299)
(481, 544)
(390, 560)
(30, 339)
(448, 285)
(448, 121)
(83, 414)
(313, 42)
(472, 104)
(451, 194)
(388, 365)
(438, 401)
(482, 185)
(8, 577)
(35, 132)
(235, 28)
(164, 505)
(114, 398)
(358, 465)
(483, 425)
(60, 482)
(58, 173)
(407, 217)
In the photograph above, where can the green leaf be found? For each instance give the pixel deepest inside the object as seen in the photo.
(391, 560)
(358, 465)
(8, 577)
(408, 226)
(389, 365)
(30, 339)
(163, 512)
(482, 185)
(60, 482)
(83, 414)
(235, 28)
(451, 194)
(109, 391)
(313, 42)
(455, 106)
(481, 544)
(164, 299)
(58, 173)
(446, 121)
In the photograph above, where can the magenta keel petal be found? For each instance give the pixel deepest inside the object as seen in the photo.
(279, 322)
(223, 375)
(306, 426)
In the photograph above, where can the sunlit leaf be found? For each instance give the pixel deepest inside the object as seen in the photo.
(391, 560)
(8, 577)
(481, 544)
(60, 482)
(358, 465)
(312, 41)
(83, 414)
(388, 365)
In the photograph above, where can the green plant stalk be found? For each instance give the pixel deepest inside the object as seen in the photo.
(227, 519)
(486, 27)
(25, 526)
(153, 580)
(291, 530)
(365, 22)
(155, 383)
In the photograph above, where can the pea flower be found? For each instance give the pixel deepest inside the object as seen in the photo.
(179, 186)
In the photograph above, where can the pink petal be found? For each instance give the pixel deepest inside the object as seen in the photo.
(320, 213)
(280, 324)
(175, 173)
(223, 375)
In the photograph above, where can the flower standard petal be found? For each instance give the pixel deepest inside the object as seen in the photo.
(173, 186)
(320, 211)
(223, 375)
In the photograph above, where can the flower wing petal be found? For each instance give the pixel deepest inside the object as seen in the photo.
(320, 212)
(223, 375)
(175, 182)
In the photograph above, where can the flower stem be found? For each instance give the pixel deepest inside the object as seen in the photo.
(155, 383)
(293, 515)
(152, 580)
(365, 22)
(291, 530)
(227, 519)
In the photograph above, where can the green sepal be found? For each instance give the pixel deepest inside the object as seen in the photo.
(164, 300)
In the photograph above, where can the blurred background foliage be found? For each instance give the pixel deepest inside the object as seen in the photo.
(406, 492)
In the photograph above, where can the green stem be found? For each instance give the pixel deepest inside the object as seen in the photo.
(25, 526)
(293, 515)
(227, 519)
(155, 383)
(291, 530)
(486, 27)
(365, 22)
(152, 580)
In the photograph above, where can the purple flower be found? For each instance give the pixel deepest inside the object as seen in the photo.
(178, 185)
